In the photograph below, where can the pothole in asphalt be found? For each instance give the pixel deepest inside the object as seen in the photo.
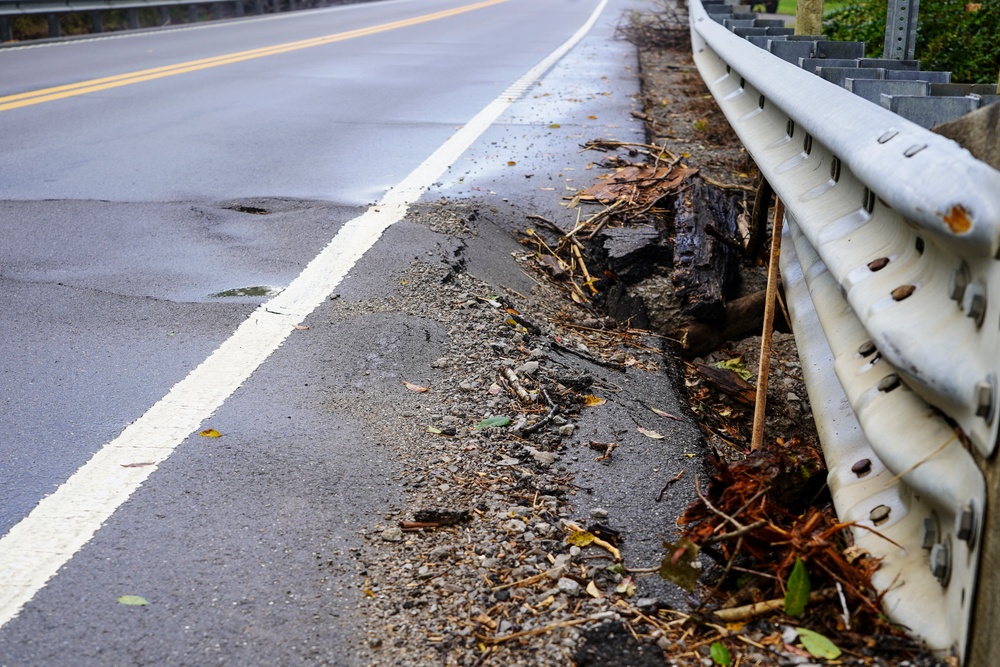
(257, 290)
(254, 210)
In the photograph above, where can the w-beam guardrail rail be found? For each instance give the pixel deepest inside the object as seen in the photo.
(889, 261)
(53, 9)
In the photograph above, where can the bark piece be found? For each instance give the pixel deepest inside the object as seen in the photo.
(705, 267)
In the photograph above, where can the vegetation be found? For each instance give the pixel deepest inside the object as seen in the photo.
(952, 35)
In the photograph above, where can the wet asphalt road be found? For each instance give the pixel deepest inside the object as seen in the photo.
(128, 215)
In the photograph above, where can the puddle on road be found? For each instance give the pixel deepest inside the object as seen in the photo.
(257, 290)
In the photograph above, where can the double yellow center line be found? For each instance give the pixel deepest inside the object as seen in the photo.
(94, 85)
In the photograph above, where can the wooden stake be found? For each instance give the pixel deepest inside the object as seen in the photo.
(757, 439)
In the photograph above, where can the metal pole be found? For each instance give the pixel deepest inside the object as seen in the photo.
(901, 29)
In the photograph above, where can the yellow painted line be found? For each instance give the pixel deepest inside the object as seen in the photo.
(94, 85)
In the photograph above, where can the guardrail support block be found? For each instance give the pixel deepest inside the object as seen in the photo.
(54, 29)
(6, 34)
(133, 18)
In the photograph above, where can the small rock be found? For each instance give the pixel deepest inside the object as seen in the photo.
(528, 536)
(494, 389)
(647, 604)
(528, 368)
(568, 586)
(543, 458)
(542, 528)
(789, 635)
(441, 552)
(440, 363)
(664, 643)
(465, 386)
(514, 526)
(792, 398)
(598, 513)
(375, 642)
(567, 430)
(394, 534)
(537, 353)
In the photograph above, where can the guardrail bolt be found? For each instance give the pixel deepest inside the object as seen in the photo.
(929, 532)
(984, 399)
(862, 467)
(966, 529)
(941, 562)
(880, 514)
(867, 349)
(974, 302)
(888, 383)
(959, 281)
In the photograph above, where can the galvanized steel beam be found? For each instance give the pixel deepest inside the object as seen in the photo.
(898, 232)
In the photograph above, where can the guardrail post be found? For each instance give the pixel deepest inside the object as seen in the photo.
(6, 34)
(192, 13)
(96, 22)
(164, 16)
(239, 8)
(258, 6)
(54, 29)
(216, 11)
(901, 29)
(133, 18)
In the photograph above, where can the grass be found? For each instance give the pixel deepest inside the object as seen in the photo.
(788, 6)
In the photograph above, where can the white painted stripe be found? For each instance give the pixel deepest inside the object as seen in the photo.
(62, 523)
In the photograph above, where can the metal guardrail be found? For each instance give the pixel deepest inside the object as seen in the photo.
(53, 9)
(890, 270)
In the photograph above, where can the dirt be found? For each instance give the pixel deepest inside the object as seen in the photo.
(559, 508)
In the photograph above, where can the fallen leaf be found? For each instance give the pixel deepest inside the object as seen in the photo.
(580, 538)
(210, 433)
(818, 645)
(301, 327)
(626, 587)
(493, 422)
(720, 654)
(133, 600)
(736, 366)
(415, 387)
(649, 433)
(679, 564)
(797, 590)
(435, 431)
(593, 401)
(593, 591)
(554, 126)
(511, 163)
(661, 413)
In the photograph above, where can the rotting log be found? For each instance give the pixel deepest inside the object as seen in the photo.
(705, 267)
(741, 317)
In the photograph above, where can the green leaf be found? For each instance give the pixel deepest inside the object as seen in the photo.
(679, 564)
(736, 366)
(797, 590)
(720, 654)
(818, 645)
(493, 422)
(133, 600)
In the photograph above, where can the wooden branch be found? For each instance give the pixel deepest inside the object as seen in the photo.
(758, 609)
(757, 440)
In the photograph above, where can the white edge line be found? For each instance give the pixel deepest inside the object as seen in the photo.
(60, 525)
